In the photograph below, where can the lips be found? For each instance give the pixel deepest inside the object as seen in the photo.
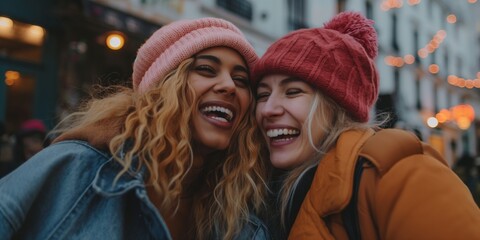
(280, 136)
(218, 113)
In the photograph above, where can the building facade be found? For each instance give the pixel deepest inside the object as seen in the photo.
(428, 59)
(429, 54)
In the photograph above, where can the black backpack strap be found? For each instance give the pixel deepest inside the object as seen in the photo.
(350, 214)
(298, 195)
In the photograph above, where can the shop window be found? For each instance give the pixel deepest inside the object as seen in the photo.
(369, 9)
(296, 14)
(21, 41)
(341, 5)
(418, 102)
(446, 60)
(435, 99)
(416, 46)
(395, 45)
(243, 8)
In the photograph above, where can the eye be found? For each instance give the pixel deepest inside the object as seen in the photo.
(205, 69)
(240, 81)
(262, 96)
(293, 91)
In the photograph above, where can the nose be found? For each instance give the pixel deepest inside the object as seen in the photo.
(225, 85)
(271, 107)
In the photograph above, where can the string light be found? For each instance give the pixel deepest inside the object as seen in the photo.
(409, 59)
(432, 122)
(11, 77)
(389, 4)
(433, 68)
(443, 116)
(431, 47)
(462, 115)
(413, 2)
(386, 5)
(115, 41)
(451, 18)
(464, 83)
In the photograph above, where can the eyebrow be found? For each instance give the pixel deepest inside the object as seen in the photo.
(209, 57)
(218, 61)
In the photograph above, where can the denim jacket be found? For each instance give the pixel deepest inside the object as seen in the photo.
(67, 191)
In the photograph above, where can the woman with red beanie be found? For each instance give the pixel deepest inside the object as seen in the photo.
(174, 157)
(340, 177)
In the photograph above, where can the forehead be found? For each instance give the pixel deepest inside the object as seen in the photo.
(224, 53)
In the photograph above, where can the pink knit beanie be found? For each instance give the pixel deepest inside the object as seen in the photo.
(179, 40)
(338, 59)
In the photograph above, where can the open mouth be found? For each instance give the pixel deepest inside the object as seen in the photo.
(218, 113)
(282, 134)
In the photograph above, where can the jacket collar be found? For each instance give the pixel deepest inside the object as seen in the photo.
(332, 186)
(107, 183)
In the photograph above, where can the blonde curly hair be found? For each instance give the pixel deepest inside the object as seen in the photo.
(157, 124)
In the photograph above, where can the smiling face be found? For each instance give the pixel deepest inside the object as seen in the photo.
(219, 78)
(283, 106)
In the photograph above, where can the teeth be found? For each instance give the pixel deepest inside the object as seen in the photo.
(219, 109)
(277, 132)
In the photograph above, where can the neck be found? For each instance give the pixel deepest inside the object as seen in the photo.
(179, 219)
(192, 177)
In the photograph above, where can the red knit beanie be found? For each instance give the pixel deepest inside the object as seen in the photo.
(338, 59)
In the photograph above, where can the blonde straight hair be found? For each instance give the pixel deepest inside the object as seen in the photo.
(158, 125)
(333, 121)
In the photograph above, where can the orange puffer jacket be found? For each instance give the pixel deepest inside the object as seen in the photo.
(417, 196)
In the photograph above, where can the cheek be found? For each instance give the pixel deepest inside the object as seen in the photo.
(196, 87)
(300, 109)
(299, 113)
(317, 134)
(321, 124)
(198, 83)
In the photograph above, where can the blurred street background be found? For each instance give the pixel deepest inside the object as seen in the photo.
(53, 51)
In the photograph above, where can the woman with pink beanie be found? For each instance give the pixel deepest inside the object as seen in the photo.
(338, 176)
(174, 157)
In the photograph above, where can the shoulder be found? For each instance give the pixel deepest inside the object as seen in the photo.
(57, 176)
(65, 153)
(64, 164)
(387, 147)
(72, 148)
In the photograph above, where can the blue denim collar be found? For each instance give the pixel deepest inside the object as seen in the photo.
(108, 183)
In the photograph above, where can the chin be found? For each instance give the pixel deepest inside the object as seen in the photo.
(281, 165)
(217, 146)
(212, 144)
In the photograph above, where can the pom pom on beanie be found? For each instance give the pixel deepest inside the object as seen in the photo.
(180, 40)
(358, 27)
(338, 59)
